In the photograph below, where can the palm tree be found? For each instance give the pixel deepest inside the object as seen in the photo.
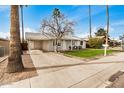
(90, 21)
(101, 32)
(14, 60)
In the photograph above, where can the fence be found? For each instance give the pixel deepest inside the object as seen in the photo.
(4, 47)
(3, 51)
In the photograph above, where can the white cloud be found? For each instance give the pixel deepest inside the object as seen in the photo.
(85, 10)
(82, 35)
(27, 29)
(114, 38)
(7, 34)
(118, 23)
(94, 30)
(4, 34)
(111, 29)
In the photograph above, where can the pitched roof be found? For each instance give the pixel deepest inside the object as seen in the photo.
(36, 36)
(39, 36)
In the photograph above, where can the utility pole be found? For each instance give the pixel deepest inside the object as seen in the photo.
(107, 30)
(90, 21)
(21, 7)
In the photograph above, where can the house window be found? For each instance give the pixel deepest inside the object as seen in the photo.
(81, 42)
(59, 43)
(73, 42)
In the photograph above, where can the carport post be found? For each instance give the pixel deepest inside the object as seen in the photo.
(28, 46)
(121, 45)
(71, 45)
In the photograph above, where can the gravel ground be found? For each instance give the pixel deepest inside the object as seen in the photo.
(117, 80)
(28, 72)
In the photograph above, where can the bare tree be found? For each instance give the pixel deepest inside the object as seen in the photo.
(57, 26)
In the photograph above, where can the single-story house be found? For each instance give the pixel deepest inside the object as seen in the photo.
(4, 46)
(47, 42)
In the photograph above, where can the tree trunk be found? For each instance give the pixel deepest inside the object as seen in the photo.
(14, 60)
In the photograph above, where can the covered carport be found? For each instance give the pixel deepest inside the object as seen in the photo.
(37, 41)
(44, 45)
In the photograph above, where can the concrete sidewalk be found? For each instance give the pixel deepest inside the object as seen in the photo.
(59, 71)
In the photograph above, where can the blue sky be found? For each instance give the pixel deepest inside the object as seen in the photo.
(79, 14)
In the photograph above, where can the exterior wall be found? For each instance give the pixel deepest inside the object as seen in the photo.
(37, 44)
(44, 45)
(84, 44)
(68, 43)
(74, 43)
(4, 44)
(64, 45)
(51, 46)
(47, 45)
(77, 43)
(31, 45)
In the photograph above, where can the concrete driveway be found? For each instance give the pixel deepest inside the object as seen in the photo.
(60, 71)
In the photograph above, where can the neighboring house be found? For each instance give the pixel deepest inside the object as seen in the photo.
(47, 43)
(104, 38)
(4, 46)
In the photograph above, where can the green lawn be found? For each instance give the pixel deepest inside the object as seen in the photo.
(86, 53)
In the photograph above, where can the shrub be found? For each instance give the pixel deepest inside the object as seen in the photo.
(95, 43)
(24, 46)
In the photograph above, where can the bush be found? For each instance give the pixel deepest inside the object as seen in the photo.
(24, 46)
(95, 43)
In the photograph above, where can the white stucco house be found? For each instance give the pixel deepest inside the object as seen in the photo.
(47, 43)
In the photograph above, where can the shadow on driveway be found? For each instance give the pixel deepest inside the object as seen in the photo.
(70, 65)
